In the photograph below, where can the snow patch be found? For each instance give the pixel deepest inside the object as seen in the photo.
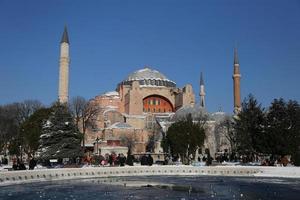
(47, 124)
(111, 93)
(120, 125)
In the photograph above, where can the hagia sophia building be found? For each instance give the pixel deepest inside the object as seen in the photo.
(142, 108)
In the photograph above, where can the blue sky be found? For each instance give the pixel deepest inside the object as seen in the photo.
(110, 39)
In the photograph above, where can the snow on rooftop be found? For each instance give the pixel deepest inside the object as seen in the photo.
(134, 116)
(111, 93)
(110, 108)
(120, 125)
(147, 74)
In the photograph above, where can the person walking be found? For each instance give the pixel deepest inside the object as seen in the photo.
(32, 163)
(149, 160)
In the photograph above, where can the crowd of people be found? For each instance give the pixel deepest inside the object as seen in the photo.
(263, 160)
(18, 164)
(147, 160)
(120, 159)
(117, 160)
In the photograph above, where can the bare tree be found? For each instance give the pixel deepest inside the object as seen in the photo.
(84, 113)
(77, 107)
(225, 128)
(9, 128)
(28, 107)
(128, 141)
(25, 109)
(153, 128)
(11, 117)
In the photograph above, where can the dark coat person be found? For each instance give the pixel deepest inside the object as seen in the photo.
(5, 161)
(129, 160)
(21, 165)
(32, 164)
(122, 160)
(15, 165)
(144, 160)
(149, 160)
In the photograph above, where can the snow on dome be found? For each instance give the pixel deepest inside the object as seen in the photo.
(111, 93)
(149, 77)
(218, 116)
(196, 112)
(146, 73)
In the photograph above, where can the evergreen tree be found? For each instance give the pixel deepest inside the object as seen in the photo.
(283, 128)
(277, 133)
(185, 136)
(293, 109)
(31, 129)
(249, 127)
(60, 138)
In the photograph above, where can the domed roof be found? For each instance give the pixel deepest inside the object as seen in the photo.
(146, 73)
(218, 116)
(196, 111)
(150, 77)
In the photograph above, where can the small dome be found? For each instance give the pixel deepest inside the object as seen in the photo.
(149, 77)
(196, 112)
(120, 125)
(218, 116)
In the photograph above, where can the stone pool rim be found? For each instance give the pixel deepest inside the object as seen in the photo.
(41, 175)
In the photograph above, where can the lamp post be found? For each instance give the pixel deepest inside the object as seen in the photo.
(97, 140)
(20, 152)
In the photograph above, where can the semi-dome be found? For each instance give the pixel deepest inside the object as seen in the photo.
(218, 116)
(148, 77)
(196, 111)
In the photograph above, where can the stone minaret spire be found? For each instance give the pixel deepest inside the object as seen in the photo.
(63, 93)
(236, 83)
(202, 91)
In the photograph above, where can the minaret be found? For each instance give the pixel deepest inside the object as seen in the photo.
(236, 84)
(64, 61)
(202, 91)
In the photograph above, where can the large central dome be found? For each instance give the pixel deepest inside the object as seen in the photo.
(149, 77)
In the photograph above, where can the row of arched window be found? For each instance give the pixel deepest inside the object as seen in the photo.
(153, 82)
(158, 110)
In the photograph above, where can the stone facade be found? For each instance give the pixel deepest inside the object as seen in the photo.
(144, 105)
(125, 113)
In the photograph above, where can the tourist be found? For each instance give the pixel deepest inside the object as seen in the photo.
(144, 160)
(20, 165)
(129, 160)
(117, 162)
(149, 160)
(15, 165)
(112, 159)
(4, 160)
(32, 163)
(122, 160)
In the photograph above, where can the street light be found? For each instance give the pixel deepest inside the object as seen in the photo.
(97, 140)
(20, 151)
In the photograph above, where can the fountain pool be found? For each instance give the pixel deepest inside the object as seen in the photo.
(156, 187)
